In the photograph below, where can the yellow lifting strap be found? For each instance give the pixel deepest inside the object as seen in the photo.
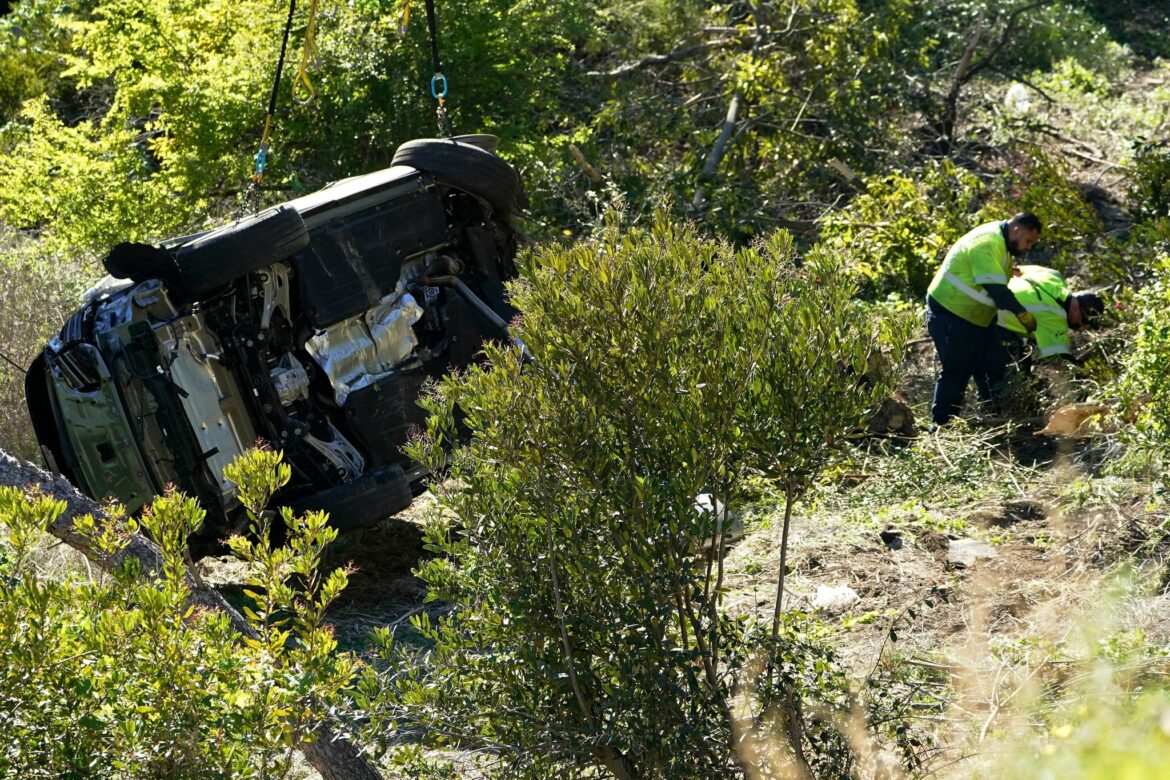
(260, 161)
(308, 54)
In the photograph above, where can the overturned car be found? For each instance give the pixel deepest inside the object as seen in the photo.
(312, 325)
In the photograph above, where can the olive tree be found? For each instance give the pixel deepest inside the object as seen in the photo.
(587, 627)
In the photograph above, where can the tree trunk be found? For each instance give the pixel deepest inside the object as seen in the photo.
(335, 758)
(717, 151)
(951, 106)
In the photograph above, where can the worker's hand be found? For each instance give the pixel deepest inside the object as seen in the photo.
(1028, 320)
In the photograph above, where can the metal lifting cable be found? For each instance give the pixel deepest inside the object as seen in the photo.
(260, 161)
(438, 80)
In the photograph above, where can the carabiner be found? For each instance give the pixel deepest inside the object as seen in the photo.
(261, 161)
(437, 79)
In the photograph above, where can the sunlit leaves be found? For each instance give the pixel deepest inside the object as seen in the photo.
(125, 677)
(665, 364)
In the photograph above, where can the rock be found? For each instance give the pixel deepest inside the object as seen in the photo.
(964, 552)
(835, 598)
(891, 538)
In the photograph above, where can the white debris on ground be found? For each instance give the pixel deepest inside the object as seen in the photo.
(835, 598)
(965, 552)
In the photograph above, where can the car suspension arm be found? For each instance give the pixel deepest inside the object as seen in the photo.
(461, 287)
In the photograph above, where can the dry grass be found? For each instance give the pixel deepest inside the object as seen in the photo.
(36, 294)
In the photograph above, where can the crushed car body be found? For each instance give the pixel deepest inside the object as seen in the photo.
(312, 326)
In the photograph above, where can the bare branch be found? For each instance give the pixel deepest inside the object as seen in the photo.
(1025, 82)
(663, 59)
(718, 150)
(613, 758)
(1004, 37)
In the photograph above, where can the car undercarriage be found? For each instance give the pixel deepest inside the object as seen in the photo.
(312, 326)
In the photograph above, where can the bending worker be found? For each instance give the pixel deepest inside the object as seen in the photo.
(962, 306)
(1044, 293)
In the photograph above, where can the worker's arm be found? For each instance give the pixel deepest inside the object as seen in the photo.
(1003, 297)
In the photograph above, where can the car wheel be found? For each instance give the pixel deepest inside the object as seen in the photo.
(216, 258)
(485, 141)
(465, 166)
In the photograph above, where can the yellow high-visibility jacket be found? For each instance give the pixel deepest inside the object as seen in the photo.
(1042, 291)
(978, 258)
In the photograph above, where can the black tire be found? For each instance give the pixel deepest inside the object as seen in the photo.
(485, 141)
(216, 258)
(466, 167)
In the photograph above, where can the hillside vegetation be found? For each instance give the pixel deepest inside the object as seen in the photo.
(734, 211)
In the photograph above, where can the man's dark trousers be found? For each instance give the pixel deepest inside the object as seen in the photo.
(965, 351)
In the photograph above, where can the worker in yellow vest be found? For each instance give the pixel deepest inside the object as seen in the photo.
(963, 302)
(1044, 293)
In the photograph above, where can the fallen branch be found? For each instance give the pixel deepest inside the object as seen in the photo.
(334, 757)
(1100, 161)
(1051, 131)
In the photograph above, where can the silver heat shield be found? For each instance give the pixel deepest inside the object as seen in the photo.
(361, 350)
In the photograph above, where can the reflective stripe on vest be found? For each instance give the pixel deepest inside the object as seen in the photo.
(970, 292)
(1008, 320)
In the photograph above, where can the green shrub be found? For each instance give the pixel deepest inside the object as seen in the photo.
(1138, 24)
(1098, 738)
(119, 677)
(163, 103)
(1039, 181)
(1149, 181)
(588, 629)
(1144, 385)
(1041, 37)
(898, 230)
(32, 36)
(38, 289)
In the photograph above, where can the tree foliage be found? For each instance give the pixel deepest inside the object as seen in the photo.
(1143, 384)
(156, 106)
(590, 629)
(118, 677)
(177, 91)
